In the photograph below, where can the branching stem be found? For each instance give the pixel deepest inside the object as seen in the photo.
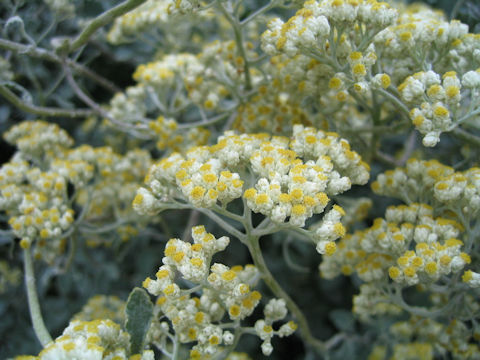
(256, 253)
(103, 19)
(40, 110)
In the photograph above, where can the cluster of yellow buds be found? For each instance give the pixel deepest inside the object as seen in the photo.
(97, 339)
(222, 290)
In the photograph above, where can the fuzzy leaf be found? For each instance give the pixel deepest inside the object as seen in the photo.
(343, 320)
(139, 312)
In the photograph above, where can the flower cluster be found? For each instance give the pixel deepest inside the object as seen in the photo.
(372, 302)
(36, 203)
(9, 276)
(285, 188)
(433, 338)
(311, 32)
(423, 35)
(436, 103)
(275, 310)
(223, 290)
(203, 80)
(359, 49)
(37, 139)
(278, 105)
(34, 185)
(312, 26)
(63, 8)
(97, 339)
(385, 248)
(101, 307)
(159, 15)
(423, 180)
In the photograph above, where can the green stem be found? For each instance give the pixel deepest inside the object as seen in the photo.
(455, 9)
(237, 30)
(71, 253)
(176, 348)
(40, 53)
(398, 300)
(258, 12)
(228, 349)
(40, 110)
(225, 225)
(37, 320)
(401, 106)
(256, 254)
(103, 19)
(466, 136)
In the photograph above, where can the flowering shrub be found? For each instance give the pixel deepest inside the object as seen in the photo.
(238, 180)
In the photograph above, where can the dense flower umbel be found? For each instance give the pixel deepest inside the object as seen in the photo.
(290, 180)
(222, 290)
(91, 340)
(437, 338)
(409, 245)
(437, 104)
(33, 185)
(154, 14)
(201, 81)
(372, 302)
(413, 244)
(358, 51)
(425, 180)
(312, 25)
(38, 138)
(101, 307)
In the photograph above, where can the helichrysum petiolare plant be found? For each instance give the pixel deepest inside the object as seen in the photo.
(233, 179)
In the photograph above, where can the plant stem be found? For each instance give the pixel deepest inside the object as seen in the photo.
(401, 106)
(466, 136)
(40, 110)
(97, 108)
(102, 20)
(256, 254)
(35, 313)
(40, 53)
(176, 348)
(258, 12)
(237, 30)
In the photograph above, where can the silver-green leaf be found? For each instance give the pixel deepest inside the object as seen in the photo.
(139, 312)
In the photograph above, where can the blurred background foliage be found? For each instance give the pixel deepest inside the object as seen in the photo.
(117, 269)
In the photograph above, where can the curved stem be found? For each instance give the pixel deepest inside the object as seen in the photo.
(102, 20)
(225, 225)
(288, 259)
(35, 313)
(71, 254)
(212, 215)
(256, 253)
(401, 106)
(237, 30)
(41, 53)
(466, 136)
(176, 348)
(258, 12)
(40, 110)
(96, 107)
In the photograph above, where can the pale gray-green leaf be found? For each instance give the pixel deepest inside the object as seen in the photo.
(139, 312)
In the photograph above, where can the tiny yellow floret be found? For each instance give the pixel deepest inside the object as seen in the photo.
(330, 248)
